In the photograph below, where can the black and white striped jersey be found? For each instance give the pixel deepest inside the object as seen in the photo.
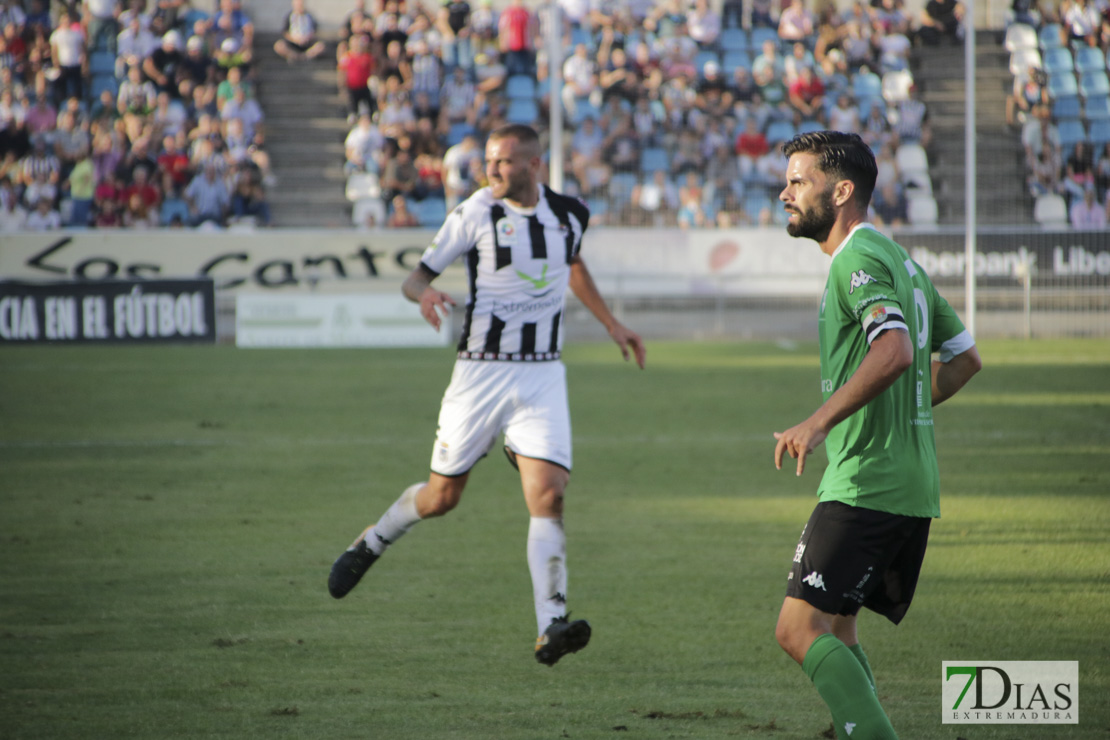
(518, 267)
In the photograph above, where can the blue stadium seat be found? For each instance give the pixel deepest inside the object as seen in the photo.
(101, 63)
(1089, 59)
(732, 60)
(733, 39)
(1062, 84)
(1097, 108)
(761, 34)
(1057, 60)
(1100, 133)
(780, 131)
(103, 82)
(867, 86)
(522, 110)
(806, 127)
(173, 207)
(701, 58)
(1071, 133)
(430, 211)
(457, 131)
(1050, 36)
(1093, 84)
(1066, 106)
(520, 86)
(584, 109)
(599, 208)
(581, 36)
(621, 185)
(653, 159)
(754, 204)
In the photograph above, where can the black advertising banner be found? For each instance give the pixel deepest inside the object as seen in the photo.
(108, 312)
(1064, 259)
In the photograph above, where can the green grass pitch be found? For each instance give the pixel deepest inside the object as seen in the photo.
(168, 517)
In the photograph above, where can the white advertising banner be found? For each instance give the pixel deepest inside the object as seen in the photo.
(756, 261)
(364, 320)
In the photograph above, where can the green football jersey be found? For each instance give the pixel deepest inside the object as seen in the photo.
(883, 457)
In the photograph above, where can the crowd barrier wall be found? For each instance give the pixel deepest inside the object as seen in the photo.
(1035, 270)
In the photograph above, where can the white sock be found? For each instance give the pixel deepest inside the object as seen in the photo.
(547, 561)
(398, 519)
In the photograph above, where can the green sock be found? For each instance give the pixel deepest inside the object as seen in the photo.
(842, 683)
(857, 650)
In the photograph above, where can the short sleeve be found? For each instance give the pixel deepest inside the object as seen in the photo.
(453, 239)
(864, 286)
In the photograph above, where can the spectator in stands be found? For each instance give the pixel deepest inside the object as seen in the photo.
(100, 24)
(79, 187)
(516, 31)
(134, 44)
(169, 115)
(461, 170)
(399, 177)
(1030, 89)
(941, 20)
(198, 65)
(796, 23)
(1038, 133)
(143, 187)
(245, 109)
(1086, 212)
(800, 56)
(207, 197)
(162, 66)
(232, 23)
(910, 120)
(1083, 20)
(657, 197)
(453, 24)
(13, 216)
(71, 143)
(248, 204)
(363, 146)
(807, 95)
(1079, 171)
(490, 74)
(763, 14)
(138, 214)
(356, 69)
(580, 80)
(703, 23)
(43, 217)
(173, 164)
(298, 38)
(844, 116)
(1043, 174)
(67, 47)
(400, 217)
(751, 146)
(889, 206)
(768, 63)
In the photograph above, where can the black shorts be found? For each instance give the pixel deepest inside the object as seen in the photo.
(849, 557)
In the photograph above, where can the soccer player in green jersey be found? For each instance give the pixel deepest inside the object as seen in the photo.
(880, 323)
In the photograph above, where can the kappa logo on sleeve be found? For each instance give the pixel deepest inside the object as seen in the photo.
(859, 279)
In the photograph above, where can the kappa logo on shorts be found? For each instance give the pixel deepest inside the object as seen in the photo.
(816, 580)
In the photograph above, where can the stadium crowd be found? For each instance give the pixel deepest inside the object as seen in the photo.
(673, 110)
(129, 114)
(1059, 57)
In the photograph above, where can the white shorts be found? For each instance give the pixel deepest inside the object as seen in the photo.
(525, 400)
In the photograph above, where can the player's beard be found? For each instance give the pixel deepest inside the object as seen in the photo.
(516, 189)
(817, 222)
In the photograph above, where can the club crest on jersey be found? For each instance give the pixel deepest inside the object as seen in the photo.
(878, 315)
(506, 233)
(859, 279)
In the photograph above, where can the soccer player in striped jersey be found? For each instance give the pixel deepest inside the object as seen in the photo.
(520, 242)
(880, 322)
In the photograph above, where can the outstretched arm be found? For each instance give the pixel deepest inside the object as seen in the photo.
(418, 289)
(582, 283)
(887, 358)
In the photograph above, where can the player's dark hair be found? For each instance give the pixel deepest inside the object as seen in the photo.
(519, 131)
(841, 156)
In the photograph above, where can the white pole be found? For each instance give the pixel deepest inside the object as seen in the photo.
(970, 173)
(554, 43)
